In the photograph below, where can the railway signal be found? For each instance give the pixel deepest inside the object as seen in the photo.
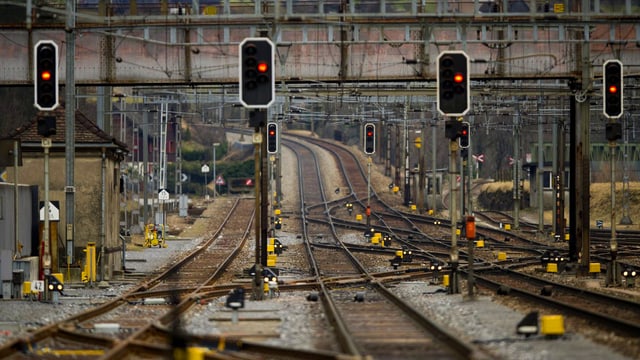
(369, 139)
(257, 80)
(612, 88)
(272, 138)
(45, 76)
(453, 91)
(463, 135)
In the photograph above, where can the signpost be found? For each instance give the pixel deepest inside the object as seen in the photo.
(205, 170)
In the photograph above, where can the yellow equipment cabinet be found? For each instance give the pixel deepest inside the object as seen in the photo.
(151, 237)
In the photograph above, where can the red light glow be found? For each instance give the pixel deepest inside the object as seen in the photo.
(613, 89)
(263, 67)
(45, 75)
(458, 78)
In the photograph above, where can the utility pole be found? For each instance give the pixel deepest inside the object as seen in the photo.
(70, 121)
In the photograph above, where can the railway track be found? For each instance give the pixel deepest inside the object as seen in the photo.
(615, 313)
(396, 330)
(130, 323)
(514, 242)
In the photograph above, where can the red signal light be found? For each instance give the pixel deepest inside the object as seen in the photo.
(613, 89)
(263, 67)
(458, 78)
(45, 75)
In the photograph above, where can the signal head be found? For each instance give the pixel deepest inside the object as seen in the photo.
(257, 80)
(612, 88)
(45, 75)
(369, 139)
(453, 86)
(272, 138)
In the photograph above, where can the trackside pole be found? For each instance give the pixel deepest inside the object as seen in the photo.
(453, 281)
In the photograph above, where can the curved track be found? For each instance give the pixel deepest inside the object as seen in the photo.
(396, 330)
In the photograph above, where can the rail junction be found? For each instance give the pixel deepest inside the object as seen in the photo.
(349, 62)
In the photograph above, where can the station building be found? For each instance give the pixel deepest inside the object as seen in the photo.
(97, 199)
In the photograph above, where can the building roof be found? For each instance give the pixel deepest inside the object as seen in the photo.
(86, 131)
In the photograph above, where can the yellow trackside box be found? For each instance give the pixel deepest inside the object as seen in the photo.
(359, 217)
(552, 267)
(277, 211)
(552, 325)
(480, 243)
(507, 227)
(502, 256)
(26, 288)
(594, 267)
(445, 280)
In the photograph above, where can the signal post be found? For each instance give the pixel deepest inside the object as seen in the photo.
(257, 92)
(613, 108)
(46, 99)
(369, 149)
(453, 101)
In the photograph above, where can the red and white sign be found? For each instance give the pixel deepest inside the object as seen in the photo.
(220, 180)
(478, 158)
